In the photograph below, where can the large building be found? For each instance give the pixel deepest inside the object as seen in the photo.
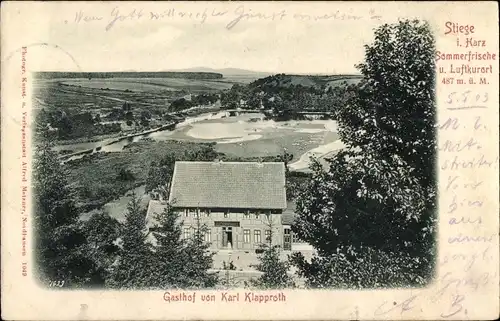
(241, 205)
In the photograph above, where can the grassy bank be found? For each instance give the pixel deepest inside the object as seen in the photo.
(103, 177)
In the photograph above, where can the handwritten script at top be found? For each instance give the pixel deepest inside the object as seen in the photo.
(231, 18)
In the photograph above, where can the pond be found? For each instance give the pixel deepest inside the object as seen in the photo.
(245, 135)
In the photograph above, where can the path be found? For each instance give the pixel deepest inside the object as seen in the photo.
(318, 153)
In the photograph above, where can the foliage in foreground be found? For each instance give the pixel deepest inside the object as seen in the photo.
(275, 271)
(178, 262)
(363, 268)
(371, 217)
(103, 252)
(62, 249)
(133, 267)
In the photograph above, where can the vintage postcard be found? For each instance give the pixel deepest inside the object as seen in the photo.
(250, 160)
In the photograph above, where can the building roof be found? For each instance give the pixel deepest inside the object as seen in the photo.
(251, 185)
(154, 207)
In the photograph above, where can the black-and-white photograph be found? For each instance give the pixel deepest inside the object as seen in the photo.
(220, 173)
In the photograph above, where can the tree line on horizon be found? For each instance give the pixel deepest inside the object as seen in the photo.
(283, 97)
(371, 215)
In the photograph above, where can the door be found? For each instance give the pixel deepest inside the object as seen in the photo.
(224, 237)
(227, 237)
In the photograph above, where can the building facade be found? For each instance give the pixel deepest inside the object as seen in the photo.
(237, 205)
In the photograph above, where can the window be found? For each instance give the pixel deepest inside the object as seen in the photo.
(287, 239)
(257, 215)
(246, 236)
(207, 212)
(268, 235)
(186, 212)
(187, 232)
(256, 236)
(226, 214)
(208, 235)
(247, 214)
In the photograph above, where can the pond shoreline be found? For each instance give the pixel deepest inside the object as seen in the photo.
(169, 126)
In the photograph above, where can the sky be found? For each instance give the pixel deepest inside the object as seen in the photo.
(293, 42)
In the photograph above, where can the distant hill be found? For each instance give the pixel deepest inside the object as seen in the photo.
(128, 74)
(225, 71)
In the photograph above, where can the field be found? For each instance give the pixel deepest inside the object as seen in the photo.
(73, 99)
(243, 79)
(342, 81)
(156, 85)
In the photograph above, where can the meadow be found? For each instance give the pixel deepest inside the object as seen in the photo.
(152, 84)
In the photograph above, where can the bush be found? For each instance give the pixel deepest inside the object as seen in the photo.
(125, 175)
(275, 271)
(363, 267)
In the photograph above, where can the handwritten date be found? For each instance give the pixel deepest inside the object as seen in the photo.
(467, 97)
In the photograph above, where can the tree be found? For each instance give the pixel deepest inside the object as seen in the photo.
(180, 104)
(145, 117)
(275, 271)
(201, 259)
(133, 269)
(102, 232)
(378, 196)
(168, 256)
(61, 243)
(125, 174)
(231, 99)
(286, 158)
(159, 176)
(204, 153)
(126, 107)
(180, 263)
(129, 116)
(296, 183)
